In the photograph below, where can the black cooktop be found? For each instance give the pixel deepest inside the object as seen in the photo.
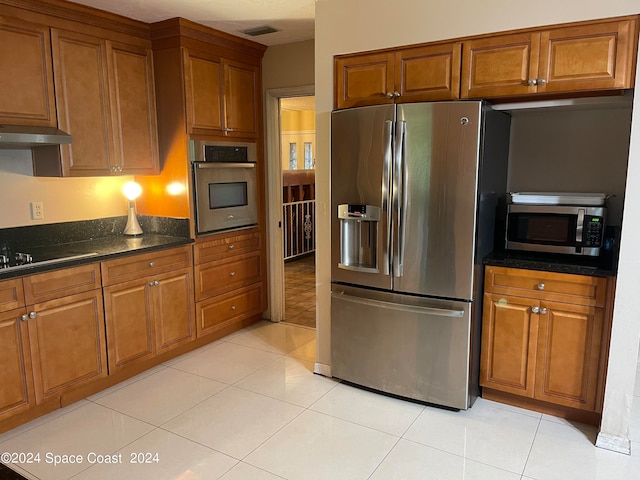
(7, 474)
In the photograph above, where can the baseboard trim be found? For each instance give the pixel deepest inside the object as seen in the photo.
(614, 443)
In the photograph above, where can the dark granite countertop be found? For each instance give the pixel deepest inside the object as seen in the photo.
(76, 243)
(602, 266)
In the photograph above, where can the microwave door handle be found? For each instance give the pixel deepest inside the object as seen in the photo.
(223, 165)
(579, 229)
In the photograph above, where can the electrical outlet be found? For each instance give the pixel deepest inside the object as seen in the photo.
(37, 212)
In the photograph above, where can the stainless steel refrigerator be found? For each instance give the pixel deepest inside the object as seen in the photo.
(414, 189)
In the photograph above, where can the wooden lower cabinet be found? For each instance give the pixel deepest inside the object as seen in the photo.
(16, 389)
(549, 351)
(148, 316)
(221, 311)
(67, 341)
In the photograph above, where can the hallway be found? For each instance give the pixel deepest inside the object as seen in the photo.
(300, 291)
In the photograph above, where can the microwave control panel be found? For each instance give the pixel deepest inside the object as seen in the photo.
(592, 235)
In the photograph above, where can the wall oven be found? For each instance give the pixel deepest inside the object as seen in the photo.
(224, 185)
(556, 228)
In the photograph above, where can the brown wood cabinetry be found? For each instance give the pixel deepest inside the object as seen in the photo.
(27, 75)
(426, 73)
(149, 305)
(106, 101)
(580, 57)
(229, 281)
(544, 337)
(65, 319)
(220, 95)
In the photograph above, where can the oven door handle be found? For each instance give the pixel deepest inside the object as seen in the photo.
(223, 165)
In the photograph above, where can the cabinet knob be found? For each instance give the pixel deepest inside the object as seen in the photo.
(389, 95)
(233, 307)
(233, 274)
(227, 130)
(541, 81)
(543, 310)
(24, 317)
(535, 309)
(532, 82)
(33, 315)
(540, 286)
(151, 283)
(152, 264)
(231, 246)
(396, 94)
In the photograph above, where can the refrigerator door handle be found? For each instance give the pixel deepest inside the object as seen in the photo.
(398, 199)
(386, 193)
(442, 312)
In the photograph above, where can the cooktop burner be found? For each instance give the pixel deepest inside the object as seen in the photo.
(18, 259)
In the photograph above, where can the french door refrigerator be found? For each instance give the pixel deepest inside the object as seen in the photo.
(414, 189)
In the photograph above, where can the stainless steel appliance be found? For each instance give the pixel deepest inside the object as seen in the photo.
(224, 181)
(414, 190)
(556, 222)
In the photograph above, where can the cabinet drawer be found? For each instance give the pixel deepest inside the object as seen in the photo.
(551, 286)
(223, 276)
(11, 294)
(143, 265)
(60, 283)
(222, 311)
(222, 247)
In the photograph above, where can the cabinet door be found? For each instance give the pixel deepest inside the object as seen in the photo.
(67, 342)
(16, 388)
(27, 75)
(364, 80)
(428, 73)
(203, 81)
(129, 321)
(569, 342)
(135, 139)
(82, 97)
(509, 342)
(500, 65)
(173, 310)
(241, 83)
(590, 57)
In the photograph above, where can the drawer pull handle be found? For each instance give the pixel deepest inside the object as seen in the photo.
(231, 246)
(540, 286)
(233, 307)
(152, 264)
(233, 274)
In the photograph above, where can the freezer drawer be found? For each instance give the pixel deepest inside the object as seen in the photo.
(409, 346)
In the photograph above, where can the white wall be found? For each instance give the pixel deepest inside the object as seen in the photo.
(64, 199)
(288, 65)
(344, 26)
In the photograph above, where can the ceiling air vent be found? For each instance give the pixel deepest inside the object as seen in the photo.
(254, 32)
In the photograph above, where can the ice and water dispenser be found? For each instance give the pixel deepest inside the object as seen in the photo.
(359, 237)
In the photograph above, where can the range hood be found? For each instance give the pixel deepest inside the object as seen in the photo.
(19, 136)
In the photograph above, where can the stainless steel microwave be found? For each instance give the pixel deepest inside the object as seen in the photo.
(224, 185)
(569, 229)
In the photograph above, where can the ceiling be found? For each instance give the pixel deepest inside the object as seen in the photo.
(294, 19)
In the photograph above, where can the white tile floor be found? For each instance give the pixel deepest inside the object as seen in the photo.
(248, 408)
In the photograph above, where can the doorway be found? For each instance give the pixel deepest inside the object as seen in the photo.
(290, 125)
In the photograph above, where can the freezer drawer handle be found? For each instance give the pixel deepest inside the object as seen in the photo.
(358, 269)
(398, 306)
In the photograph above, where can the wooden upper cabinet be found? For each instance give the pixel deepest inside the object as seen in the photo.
(500, 65)
(361, 80)
(426, 73)
(133, 104)
(27, 76)
(241, 84)
(593, 57)
(587, 57)
(221, 95)
(106, 101)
